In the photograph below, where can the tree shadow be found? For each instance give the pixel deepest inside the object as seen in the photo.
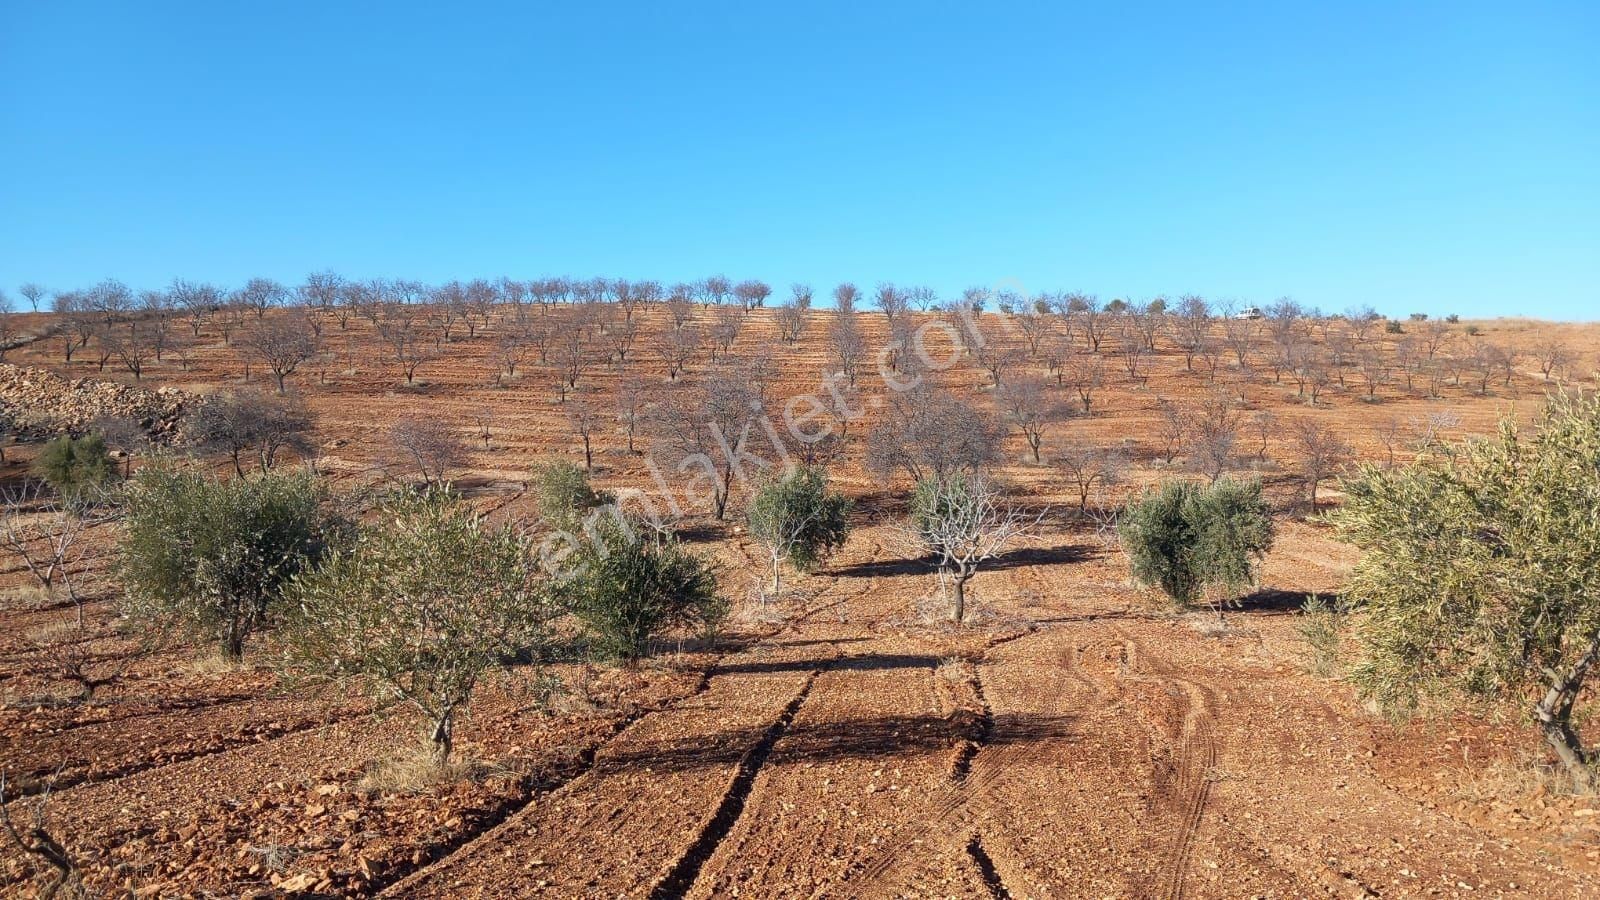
(811, 743)
(1276, 601)
(1011, 559)
(870, 662)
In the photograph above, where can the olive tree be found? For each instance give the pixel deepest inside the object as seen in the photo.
(1480, 574)
(1188, 539)
(964, 520)
(628, 591)
(78, 469)
(211, 557)
(427, 601)
(797, 519)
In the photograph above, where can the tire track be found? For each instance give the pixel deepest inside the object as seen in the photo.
(1190, 788)
(986, 869)
(681, 878)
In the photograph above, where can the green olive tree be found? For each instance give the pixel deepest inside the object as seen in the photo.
(1188, 539)
(211, 556)
(797, 519)
(428, 600)
(1480, 573)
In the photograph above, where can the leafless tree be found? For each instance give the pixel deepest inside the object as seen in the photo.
(845, 297)
(1265, 425)
(430, 445)
(1172, 428)
(1082, 374)
(34, 840)
(716, 289)
(1190, 327)
(37, 529)
(621, 336)
(965, 521)
(282, 344)
(130, 345)
(1034, 328)
(1030, 406)
(677, 347)
(583, 417)
(792, 314)
(259, 295)
(997, 356)
(680, 308)
(33, 293)
(321, 290)
(1090, 315)
(1089, 467)
(1321, 450)
(1214, 435)
(928, 431)
(848, 344)
(891, 301)
(247, 422)
(512, 348)
(398, 328)
(1375, 369)
(632, 402)
(1239, 334)
(1392, 434)
(1553, 354)
(726, 323)
(1131, 349)
(752, 294)
(711, 431)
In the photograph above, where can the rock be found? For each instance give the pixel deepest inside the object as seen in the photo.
(38, 402)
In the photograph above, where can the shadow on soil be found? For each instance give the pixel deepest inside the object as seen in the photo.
(1013, 559)
(810, 743)
(1274, 601)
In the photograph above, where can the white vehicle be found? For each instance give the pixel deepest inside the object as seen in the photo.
(1249, 312)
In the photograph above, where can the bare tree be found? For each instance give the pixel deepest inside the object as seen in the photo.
(1082, 374)
(430, 445)
(845, 297)
(1553, 354)
(1322, 451)
(259, 295)
(632, 400)
(583, 417)
(1191, 327)
(37, 529)
(1088, 467)
(680, 307)
(512, 348)
(726, 323)
(848, 344)
(964, 521)
(677, 347)
(130, 345)
(33, 293)
(246, 422)
(282, 344)
(1172, 428)
(709, 430)
(34, 840)
(930, 433)
(397, 327)
(1090, 316)
(1029, 405)
(1214, 434)
(752, 294)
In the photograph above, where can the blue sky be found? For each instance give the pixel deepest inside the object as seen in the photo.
(1442, 157)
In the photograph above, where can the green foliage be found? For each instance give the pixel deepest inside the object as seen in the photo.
(1481, 572)
(428, 600)
(628, 591)
(1393, 326)
(211, 557)
(562, 493)
(78, 469)
(1187, 539)
(1322, 626)
(798, 519)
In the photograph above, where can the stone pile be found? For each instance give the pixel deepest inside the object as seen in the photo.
(37, 402)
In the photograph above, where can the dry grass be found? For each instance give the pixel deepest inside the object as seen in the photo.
(414, 768)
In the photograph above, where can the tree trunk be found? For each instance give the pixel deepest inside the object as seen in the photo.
(1554, 714)
(443, 736)
(958, 599)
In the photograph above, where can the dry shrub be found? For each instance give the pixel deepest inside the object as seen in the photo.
(416, 767)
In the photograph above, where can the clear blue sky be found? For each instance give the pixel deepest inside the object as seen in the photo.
(1439, 157)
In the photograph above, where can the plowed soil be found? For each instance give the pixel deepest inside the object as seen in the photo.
(1075, 738)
